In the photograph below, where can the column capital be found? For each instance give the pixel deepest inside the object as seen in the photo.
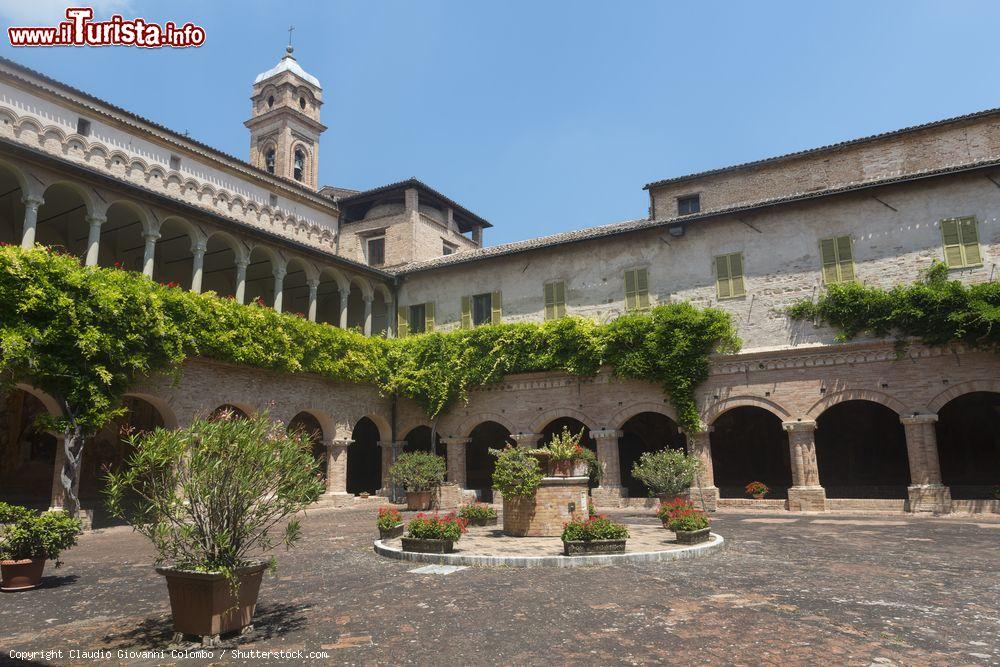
(388, 444)
(243, 263)
(199, 247)
(704, 431)
(313, 283)
(94, 219)
(341, 442)
(919, 418)
(800, 425)
(456, 441)
(525, 439)
(150, 236)
(368, 299)
(279, 272)
(605, 434)
(32, 201)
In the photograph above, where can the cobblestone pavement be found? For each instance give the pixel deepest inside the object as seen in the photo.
(793, 589)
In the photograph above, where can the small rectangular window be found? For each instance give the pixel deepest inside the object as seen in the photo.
(418, 318)
(636, 289)
(961, 242)
(688, 205)
(376, 251)
(729, 275)
(555, 300)
(837, 259)
(448, 248)
(83, 127)
(273, 199)
(482, 309)
(175, 163)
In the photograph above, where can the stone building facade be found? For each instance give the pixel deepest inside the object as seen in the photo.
(823, 423)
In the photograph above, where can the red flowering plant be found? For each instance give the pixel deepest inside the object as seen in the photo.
(435, 527)
(598, 527)
(757, 489)
(680, 515)
(388, 517)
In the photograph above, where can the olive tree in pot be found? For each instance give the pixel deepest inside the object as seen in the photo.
(212, 497)
(667, 473)
(27, 540)
(419, 473)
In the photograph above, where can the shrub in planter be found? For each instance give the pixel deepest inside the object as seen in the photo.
(691, 525)
(211, 497)
(757, 489)
(433, 533)
(419, 473)
(390, 523)
(597, 535)
(478, 514)
(666, 473)
(28, 541)
(563, 456)
(11, 513)
(516, 473)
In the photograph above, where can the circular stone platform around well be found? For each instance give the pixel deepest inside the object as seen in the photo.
(490, 547)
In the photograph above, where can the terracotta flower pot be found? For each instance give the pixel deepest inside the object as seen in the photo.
(418, 500)
(575, 468)
(21, 575)
(203, 604)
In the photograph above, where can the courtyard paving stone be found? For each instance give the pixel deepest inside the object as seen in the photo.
(830, 589)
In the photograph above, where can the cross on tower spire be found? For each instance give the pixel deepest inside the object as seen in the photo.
(290, 29)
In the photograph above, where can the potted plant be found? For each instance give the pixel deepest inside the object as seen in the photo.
(209, 497)
(689, 524)
(12, 513)
(597, 535)
(433, 534)
(666, 473)
(390, 523)
(517, 475)
(757, 490)
(419, 473)
(563, 456)
(30, 539)
(479, 514)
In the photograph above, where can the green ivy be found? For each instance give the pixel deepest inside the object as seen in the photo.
(86, 334)
(934, 311)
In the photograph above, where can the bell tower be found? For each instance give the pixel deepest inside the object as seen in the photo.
(284, 122)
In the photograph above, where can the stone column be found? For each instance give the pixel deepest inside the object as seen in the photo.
(610, 492)
(703, 492)
(805, 494)
(313, 295)
(526, 440)
(390, 450)
(456, 460)
(31, 205)
(368, 315)
(94, 239)
(149, 255)
(344, 300)
(198, 265)
(336, 469)
(926, 492)
(241, 280)
(279, 287)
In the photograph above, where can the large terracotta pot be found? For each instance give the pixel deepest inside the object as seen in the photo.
(575, 468)
(418, 500)
(21, 575)
(203, 604)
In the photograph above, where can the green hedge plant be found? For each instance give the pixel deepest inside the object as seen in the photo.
(516, 472)
(418, 471)
(667, 472)
(34, 535)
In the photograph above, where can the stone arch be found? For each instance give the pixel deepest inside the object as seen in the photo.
(645, 431)
(28, 454)
(619, 418)
(820, 406)
(364, 456)
(986, 384)
(122, 236)
(720, 407)
(318, 426)
(415, 423)
(238, 410)
(381, 423)
(13, 189)
(479, 463)
(222, 253)
(749, 444)
(173, 259)
(549, 416)
(306, 162)
(166, 412)
(264, 260)
(331, 285)
(50, 403)
(62, 218)
(968, 442)
(465, 429)
(295, 297)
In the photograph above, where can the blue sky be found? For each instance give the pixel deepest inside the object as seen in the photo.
(549, 116)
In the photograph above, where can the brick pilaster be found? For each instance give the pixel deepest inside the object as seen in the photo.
(456, 460)
(610, 492)
(703, 492)
(926, 492)
(806, 494)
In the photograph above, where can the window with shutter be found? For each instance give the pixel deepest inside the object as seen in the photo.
(466, 312)
(429, 316)
(729, 275)
(417, 318)
(496, 311)
(555, 300)
(960, 237)
(482, 309)
(837, 259)
(402, 322)
(636, 289)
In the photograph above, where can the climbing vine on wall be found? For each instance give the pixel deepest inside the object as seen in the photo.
(935, 311)
(85, 334)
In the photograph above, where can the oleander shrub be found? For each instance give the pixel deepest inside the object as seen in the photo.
(418, 471)
(666, 472)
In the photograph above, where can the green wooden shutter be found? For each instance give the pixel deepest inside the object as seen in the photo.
(952, 240)
(828, 257)
(845, 259)
(466, 312)
(722, 282)
(970, 241)
(560, 299)
(550, 301)
(497, 313)
(736, 273)
(402, 321)
(641, 289)
(630, 290)
(429, 316)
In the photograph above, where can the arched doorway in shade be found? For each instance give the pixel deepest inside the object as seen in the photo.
(968, 434)
(109, 450)
(306, 422)
(645, 432)
(748, 445)
(861, 451)
(27, 452)
(479, 463)
(364, 459)
(229, 411)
